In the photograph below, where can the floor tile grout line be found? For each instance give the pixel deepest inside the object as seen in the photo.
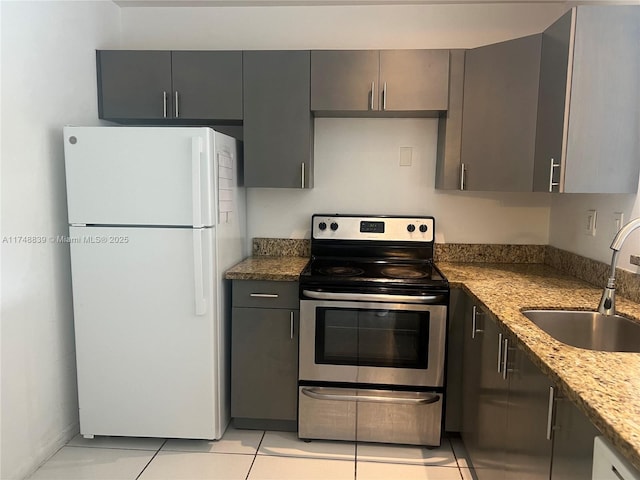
(264, 432)
(151, 460)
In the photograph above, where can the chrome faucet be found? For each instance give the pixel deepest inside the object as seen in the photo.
(608, 301)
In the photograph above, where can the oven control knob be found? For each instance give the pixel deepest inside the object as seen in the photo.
(322, 226)
(411, 227)
(423, 228)
(334, 226)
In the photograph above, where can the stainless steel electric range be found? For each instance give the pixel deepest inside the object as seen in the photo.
(373, 323)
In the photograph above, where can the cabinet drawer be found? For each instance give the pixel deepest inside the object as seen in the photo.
(265, 294)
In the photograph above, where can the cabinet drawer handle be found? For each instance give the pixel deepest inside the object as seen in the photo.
(506, 358)
(373, 95)
(302, 174)
(264, 295)
(550, 413)
(552, 184)
(499, 353)
(177, 105)
(384, 96)
(474, 322)
(164, 104)
(463, 171)
(291, 321)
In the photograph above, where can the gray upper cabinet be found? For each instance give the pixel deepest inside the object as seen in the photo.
(158, 85)
(278, 125)
(499, 115)
(134, 84)
(368, 82)
(587, 125)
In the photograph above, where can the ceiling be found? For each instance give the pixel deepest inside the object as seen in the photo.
(263, 3)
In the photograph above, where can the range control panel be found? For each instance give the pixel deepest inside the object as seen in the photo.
(352, 227)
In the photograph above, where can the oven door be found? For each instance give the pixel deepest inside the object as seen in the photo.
(381, 343)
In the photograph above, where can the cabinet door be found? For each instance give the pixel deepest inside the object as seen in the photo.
(208, 85)
(499, 115)
(552, 105)
(134, 84)
(264, 363)
(472, 343)
(344, 80)
(278, 126)
(530, 402)
(414, 80)
(490, 454)
(572, 443)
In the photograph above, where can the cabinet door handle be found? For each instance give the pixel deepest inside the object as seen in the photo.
(506, 358)
(499, 352)
(291, 321)
(302, 168)
(373, 95)
(164, 104)
(474, 321)
(177, 105)
(462, 174)
(552, 184)
(550, 413)
(384, 96)
(264, 295)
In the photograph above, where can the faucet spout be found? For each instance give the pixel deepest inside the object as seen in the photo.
(607, 304)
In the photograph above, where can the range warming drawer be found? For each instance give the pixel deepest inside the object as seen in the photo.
(387, 416)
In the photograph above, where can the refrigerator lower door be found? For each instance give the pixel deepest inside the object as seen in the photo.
(145, 327)
(140, 175)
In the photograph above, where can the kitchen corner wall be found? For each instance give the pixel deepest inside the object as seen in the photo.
(48, 79)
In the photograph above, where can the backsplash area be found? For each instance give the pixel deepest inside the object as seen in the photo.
(589, 270)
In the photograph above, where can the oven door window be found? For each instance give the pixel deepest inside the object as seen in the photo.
(377, 338)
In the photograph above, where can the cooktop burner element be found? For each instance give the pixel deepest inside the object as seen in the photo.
(403, 272)
(342, 271)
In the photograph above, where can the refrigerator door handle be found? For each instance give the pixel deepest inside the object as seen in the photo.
(198, 272)
(196, 180)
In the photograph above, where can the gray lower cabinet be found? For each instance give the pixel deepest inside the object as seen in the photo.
(505, 405)
(360, 82)
(278, 125)
(573, 436)
(264, 354)
(136, 85)
(499, 115)
(587, 126)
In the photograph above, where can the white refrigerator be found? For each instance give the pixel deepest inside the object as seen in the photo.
(156, 216)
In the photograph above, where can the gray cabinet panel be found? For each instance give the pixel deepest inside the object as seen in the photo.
(208, 84)
(266, 294)
(499, 114)
(414, 80)
(588, 121)
(572, 443)
(344, 80)
(450, 128)
(264, 363)
(459, 312)
(528, 449)
(278, 126)
(132, 84)
(552, 103)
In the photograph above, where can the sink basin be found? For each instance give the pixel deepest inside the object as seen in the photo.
(590, 330)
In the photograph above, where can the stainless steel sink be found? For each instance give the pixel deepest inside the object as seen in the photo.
(590, 330)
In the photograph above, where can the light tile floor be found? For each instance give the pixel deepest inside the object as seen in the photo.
(252, 455)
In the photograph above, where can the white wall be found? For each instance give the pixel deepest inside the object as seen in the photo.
(48, 80)
(357, 171)
(357, 159)
(568, 218)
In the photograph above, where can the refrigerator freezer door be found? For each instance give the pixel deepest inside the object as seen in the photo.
(140, 175)
(145, 325)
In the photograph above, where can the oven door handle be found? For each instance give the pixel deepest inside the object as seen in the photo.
(322, 394)
(374, 297)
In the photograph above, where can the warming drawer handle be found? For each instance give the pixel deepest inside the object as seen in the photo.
(374, 297)
(426, 399)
